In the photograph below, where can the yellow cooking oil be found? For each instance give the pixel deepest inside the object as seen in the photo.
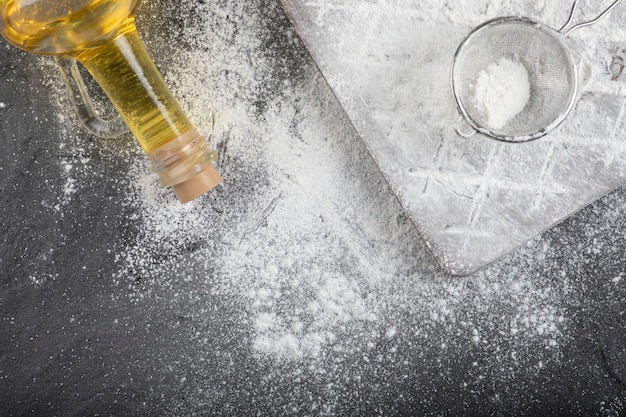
(101, 34)
(136, 89)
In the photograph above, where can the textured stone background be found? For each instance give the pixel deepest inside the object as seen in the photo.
(102, 313)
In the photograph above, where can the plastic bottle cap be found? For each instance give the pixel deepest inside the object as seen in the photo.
(197, 185)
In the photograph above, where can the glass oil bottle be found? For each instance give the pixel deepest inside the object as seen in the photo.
(102, 36)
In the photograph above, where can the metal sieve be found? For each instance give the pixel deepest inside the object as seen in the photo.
(551, 68)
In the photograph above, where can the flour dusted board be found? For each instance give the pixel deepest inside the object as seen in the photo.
(473, 200)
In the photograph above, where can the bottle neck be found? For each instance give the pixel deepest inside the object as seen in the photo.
(129, 77)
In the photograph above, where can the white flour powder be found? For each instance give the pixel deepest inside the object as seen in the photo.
(304, 243)
(502, 91)
(304, 232)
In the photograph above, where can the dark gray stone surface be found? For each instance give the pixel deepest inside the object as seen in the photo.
(100, 315)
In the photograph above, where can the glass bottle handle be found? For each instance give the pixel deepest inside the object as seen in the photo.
(83, 105)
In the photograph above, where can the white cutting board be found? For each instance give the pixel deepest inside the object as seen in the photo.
(473, 200)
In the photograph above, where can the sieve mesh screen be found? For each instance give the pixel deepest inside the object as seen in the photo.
(551, 71)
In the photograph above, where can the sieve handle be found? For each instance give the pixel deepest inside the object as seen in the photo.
(567, 28)
(463, 128)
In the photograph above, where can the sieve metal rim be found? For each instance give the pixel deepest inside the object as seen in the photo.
(558, 120)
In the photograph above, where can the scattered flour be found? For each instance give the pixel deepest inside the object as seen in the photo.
(321, 266)
(501, 92)
(303, 232)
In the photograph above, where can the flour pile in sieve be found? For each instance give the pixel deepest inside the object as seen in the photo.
(502, 91)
